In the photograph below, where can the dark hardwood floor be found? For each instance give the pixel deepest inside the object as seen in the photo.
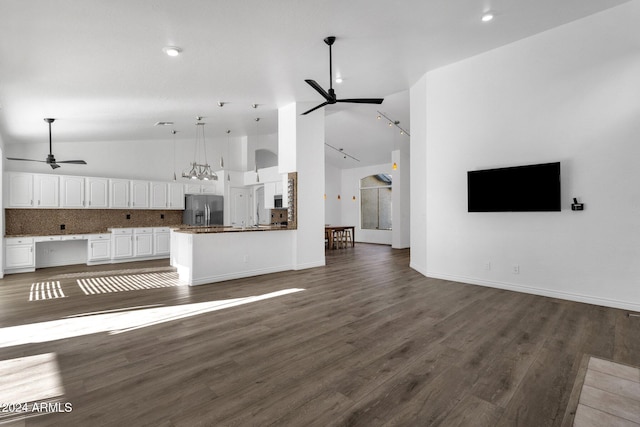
(367, 342)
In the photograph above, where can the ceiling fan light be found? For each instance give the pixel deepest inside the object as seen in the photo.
(487, 16)
(172, 50)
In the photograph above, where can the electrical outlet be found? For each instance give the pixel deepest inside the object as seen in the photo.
(516, 269)
(62, 226)
(128, 216)
(161, 216)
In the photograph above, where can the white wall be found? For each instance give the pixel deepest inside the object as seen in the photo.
(570, 95)
(350, 209)
(332, 187)
(130, 159)
(400, 198)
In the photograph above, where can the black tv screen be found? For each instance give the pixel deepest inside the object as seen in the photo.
(531, 188)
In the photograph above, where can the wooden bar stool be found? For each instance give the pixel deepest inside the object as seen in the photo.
(338, 238)
(347, 237)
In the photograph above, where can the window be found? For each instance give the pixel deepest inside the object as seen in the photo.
(375, 202)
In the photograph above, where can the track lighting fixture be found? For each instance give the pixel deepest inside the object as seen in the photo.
(392, 123)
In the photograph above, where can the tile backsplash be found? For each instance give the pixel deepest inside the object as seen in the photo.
(44, 222)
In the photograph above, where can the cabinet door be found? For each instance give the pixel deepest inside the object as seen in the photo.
(143, 244)
(122, 246)
(176, 196)
(72, 192)
(20, 187)
(45, 191)
(159, 195)
(210, 188)
(97, 193)
(119, 193)
(162, 243)
(19, 256)
(99, 249)
(140, 194)
(192, 188)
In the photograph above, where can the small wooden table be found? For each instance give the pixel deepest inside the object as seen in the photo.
(329, 229)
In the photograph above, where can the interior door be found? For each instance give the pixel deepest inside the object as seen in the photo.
(240, 210)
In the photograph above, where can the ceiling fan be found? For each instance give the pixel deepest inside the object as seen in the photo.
(50, 159)
(330, 96)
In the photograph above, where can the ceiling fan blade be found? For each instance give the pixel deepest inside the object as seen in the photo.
(315, 108)
(75, 162)
(26, 160)
(363, 100)
(319, 89)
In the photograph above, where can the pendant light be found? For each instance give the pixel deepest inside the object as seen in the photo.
(256, 151)
(173, 132)
(201, 171)
(228, 136)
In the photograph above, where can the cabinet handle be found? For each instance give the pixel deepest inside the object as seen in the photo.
(89, 202)
(38, 202)
(31, 202)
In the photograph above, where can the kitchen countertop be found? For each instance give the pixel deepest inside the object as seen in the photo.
(226, 229)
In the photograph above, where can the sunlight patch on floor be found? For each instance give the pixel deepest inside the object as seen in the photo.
(119, 322)
(45, 290)
(30, 379)
(133, 282)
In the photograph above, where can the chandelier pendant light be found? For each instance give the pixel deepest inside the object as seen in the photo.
(201, 171)
(256, 151)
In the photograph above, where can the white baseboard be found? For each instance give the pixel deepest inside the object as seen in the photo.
(309, 265)
(589, 299)
(238, 275)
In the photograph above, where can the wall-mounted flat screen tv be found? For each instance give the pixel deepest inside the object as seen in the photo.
(530, 188)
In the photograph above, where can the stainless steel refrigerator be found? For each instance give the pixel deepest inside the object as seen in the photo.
(201, 209)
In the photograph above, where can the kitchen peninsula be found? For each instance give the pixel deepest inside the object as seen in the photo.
(214, 254)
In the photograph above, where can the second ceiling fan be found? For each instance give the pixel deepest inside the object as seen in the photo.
(330, 96)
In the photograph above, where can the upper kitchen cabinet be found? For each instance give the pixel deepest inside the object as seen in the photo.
(159, 195)
(119, 193)
(97, 193)
(176, 195)
(20, 189)
(72, 192)
(46, 191)
(167, 195)
(27, 190)
(140, 194)
(212, 187)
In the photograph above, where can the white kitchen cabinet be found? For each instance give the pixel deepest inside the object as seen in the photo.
(140, 194)
(99, 247)
(159, 195)
(176, 195)
(72, 192)
(161, 241)
(20, 188)
(119, 193)
(18, 253)
(97, 193)
(210, 188)
(121, 243)
(46, 191)
(143, 242)
(192, 188)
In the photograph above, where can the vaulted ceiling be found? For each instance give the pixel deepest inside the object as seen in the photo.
(98, 66)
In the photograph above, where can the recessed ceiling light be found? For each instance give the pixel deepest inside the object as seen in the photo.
(487, 16)
(172, 50)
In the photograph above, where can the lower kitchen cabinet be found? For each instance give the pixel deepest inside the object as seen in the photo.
(122, 243)
(19, 253)
(99, 248)
(143, 242)
(161, 241)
